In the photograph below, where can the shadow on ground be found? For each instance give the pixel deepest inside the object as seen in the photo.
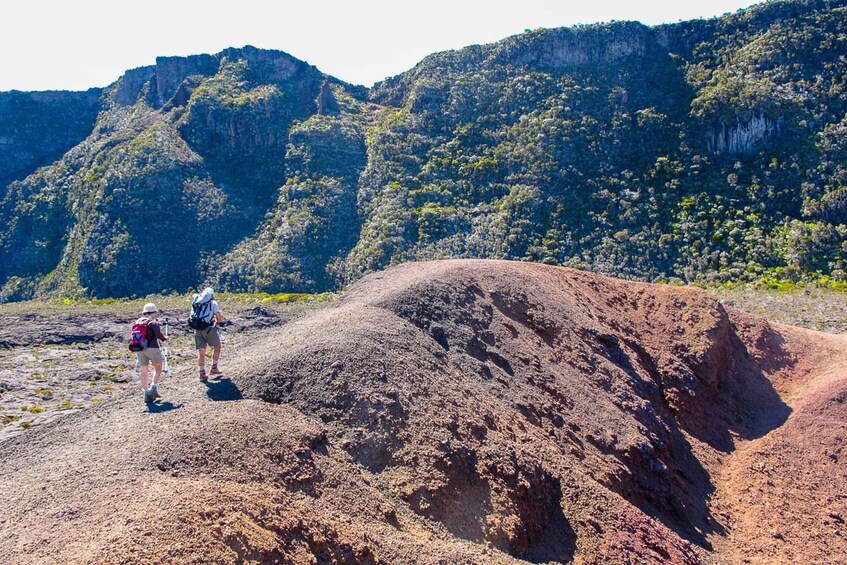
(158, 407)
(222, 389)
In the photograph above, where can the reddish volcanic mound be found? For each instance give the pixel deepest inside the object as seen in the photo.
(462, 412)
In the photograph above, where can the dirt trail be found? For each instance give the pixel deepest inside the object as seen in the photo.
(202, 477)
(460, 412)
(55, 364)
(785, 491)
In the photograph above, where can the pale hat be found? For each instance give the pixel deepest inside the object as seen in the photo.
(149, 308)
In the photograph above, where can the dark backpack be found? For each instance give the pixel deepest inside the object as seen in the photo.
(138, 335)
(201, 315)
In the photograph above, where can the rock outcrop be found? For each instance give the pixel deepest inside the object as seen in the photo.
(172, 71)
(744, 135)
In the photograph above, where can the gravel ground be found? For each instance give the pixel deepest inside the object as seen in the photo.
(55, 360)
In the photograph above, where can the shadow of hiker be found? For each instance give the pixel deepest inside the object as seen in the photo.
(222, 389)
(155, 408)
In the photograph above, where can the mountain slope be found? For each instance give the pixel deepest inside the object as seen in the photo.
(183, 162)
(709, 150)
(699, 150)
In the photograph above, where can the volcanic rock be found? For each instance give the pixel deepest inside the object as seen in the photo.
(460, 411)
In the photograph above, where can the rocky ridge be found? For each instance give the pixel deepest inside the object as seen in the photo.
(464, 411)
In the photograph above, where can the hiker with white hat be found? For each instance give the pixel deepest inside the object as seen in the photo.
(144, 341)
(204, 319)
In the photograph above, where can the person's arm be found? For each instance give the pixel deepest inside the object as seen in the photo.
(217, 313)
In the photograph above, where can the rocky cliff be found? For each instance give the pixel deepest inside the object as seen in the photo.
(36, 128)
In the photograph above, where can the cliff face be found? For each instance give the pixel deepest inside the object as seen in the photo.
(36, 128)
(652, 153)
(171, 72)
(316, 220)
(561, 48)
(742, 137)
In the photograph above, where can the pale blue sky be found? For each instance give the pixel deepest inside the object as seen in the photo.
(79, 44)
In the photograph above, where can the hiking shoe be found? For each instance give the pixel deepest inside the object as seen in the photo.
(148, 397)
(154, 393)
(203, 376)
(216, 371)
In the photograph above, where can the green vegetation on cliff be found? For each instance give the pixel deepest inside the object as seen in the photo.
(701, 151)
(707, 151)
(164, 184)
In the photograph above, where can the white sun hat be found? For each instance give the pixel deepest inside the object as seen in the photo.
(149, 308)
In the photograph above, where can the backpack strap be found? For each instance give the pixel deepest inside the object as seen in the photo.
(149, 329)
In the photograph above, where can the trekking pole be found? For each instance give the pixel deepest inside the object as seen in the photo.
(166, 369)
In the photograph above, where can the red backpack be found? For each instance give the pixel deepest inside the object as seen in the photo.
(138, 335)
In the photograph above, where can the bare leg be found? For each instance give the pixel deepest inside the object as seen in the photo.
(144, 370)
(158, 375)
(216, 354)
(201, 358)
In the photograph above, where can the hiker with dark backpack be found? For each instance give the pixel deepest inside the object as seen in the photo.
(204, 319)
(144, 340)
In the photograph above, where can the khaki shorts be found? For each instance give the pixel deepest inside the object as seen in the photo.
(149, 356)
(209, 336)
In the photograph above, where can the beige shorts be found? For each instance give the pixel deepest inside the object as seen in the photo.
(149, 356)
(209, 336)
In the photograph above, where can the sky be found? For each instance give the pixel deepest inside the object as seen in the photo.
(78, 44)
